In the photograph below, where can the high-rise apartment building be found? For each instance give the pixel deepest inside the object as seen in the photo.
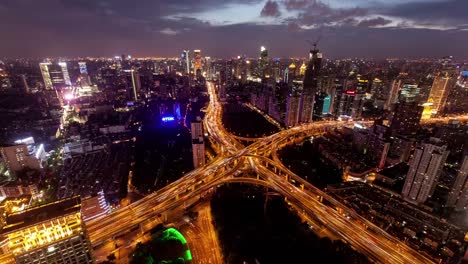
(198, 145)
(458, 196)
(406, 118)
(425, 167)
(51, 233)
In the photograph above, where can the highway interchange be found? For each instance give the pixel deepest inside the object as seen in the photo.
(231, 165)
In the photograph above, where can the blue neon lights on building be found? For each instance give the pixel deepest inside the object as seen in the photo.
(166, 119)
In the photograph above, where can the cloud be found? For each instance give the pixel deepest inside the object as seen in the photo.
(107, 27)
(169, 31)
(296, 4)
(271, 9)
(373, 22)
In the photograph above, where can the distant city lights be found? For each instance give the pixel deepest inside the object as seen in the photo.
(69, 96)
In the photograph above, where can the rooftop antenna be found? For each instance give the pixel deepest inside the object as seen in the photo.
(314, 43)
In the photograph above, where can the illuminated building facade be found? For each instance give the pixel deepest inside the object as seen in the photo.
(198, 145)
(263, 63)
(83, 68)
(409, 93)
(425, 168)
(51, 233)
(185, 61)
(66, 75)
(441, 87)
(458, 196)
(44, 66)
(197, 62)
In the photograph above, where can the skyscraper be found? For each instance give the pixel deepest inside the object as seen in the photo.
(309, 87)
(292, 110)
(51, 233)
(197, 62)
(136, 84)
(441, 87)
(185, 61)
(425, 168)
(198, 146)
(44, 66)
(393, 94)
(263, 63)
(458, 196)
(66, 75)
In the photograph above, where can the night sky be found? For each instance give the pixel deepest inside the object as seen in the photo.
(226, 28)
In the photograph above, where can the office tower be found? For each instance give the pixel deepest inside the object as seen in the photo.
(17, 157)
(377, 88)
(136, 84)
(66, 75)
(362, 85)
(458, 196)
(51, 233)
(393, 94)
(406, 118)
(275, 71)
(185, 61)
(318, 106)
(326, 105)
(425, 167)
(291, 73)
(44, 66)
(292, 110)
(441, 87)
(378, 143)
(197, 62)
(209, 68)
(263, 63)
(83, 68)
(310, 86)
(302, 69)
(409, 93)
(198, 146)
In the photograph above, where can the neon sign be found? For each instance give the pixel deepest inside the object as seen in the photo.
(168, 118)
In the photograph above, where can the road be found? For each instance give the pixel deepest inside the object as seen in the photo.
(232, 157)
(202, 238)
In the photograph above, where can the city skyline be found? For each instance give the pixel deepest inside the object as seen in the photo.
(376, 29)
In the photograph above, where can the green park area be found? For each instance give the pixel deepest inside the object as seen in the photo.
(166, 247)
